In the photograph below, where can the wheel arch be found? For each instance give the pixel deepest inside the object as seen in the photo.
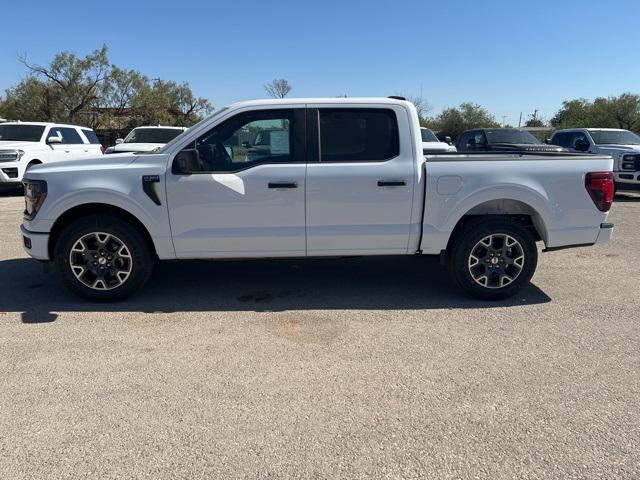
(520, 212)
(91, 209)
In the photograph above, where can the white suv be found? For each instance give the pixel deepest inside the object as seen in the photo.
(145, 139)
(23, 145)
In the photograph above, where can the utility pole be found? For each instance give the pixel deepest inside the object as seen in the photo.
(520, 121)
(504, 120)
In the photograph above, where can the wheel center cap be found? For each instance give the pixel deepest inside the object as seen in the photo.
(494, 261)
(102, 260)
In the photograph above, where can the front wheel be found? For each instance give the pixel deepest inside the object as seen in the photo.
(493, 259)
(103, 258)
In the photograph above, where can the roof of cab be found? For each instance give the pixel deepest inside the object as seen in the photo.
(302, 101)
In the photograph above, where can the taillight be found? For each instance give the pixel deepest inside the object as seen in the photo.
(601, 189)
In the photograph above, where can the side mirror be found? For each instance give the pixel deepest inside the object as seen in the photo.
(448, 140)
(119, 141)
(53, 139)
(186, 162)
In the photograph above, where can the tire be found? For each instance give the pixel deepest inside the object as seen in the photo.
(492, 258)
(103, 258)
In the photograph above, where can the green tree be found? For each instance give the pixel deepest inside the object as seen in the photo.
(453, 121)
(622, 111)
(73, 82)
(94, 92)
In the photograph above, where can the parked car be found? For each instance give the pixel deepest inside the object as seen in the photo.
(25, 144)
(431, 144)
(501, 140)
(349, 179)
(145, 139)
(622, 145)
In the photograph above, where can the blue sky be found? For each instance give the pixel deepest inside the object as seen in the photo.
(509, 56)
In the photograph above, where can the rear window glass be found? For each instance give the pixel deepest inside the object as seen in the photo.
(91, 136)
(358, 135)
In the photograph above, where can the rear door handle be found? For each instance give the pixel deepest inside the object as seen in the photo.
(391, 183)
(283, 185)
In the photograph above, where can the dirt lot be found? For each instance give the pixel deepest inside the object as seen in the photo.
(324, 369)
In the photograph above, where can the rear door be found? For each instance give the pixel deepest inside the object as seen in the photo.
(245, 196)
(92, 146)
(360, 179)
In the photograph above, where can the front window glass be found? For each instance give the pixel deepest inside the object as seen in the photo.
(511, 136)
(21, 133)
(614, 137)
(247, 140)
(152, 135)
(428, 135)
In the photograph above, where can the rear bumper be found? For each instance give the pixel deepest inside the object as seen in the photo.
(604, 235)
(35, 244)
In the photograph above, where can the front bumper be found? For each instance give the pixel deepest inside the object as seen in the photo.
(9, 174)
(35, 244)
(627, 181)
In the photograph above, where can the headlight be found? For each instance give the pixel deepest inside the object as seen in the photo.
(35, 191)
(629, 162)
(10, 155)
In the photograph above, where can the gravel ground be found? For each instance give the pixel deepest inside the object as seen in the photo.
(352, 368)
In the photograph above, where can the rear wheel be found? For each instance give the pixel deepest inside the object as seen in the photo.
(103, 258)
(493, 258)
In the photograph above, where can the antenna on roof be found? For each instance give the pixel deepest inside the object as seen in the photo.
(396, 97)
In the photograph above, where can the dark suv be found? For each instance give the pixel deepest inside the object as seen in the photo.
(502, 140)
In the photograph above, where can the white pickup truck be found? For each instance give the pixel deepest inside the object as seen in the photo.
(340, 177)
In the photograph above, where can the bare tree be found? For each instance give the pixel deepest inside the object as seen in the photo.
(278, 88)
(422, 106)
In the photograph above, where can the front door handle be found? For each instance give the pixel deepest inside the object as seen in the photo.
(391, 183)
(283, 185)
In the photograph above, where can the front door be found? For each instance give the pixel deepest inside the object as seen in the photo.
(246, 194)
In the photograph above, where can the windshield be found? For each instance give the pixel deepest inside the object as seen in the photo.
(510, 136)
(166, 147)
(428, 135)
(21, 133)
(152, 135)
(614, 137)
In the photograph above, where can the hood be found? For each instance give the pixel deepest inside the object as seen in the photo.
(610, 149)
(134, 147)
(85, 164)
(529, 147)
(437, 147)
(11, 144)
